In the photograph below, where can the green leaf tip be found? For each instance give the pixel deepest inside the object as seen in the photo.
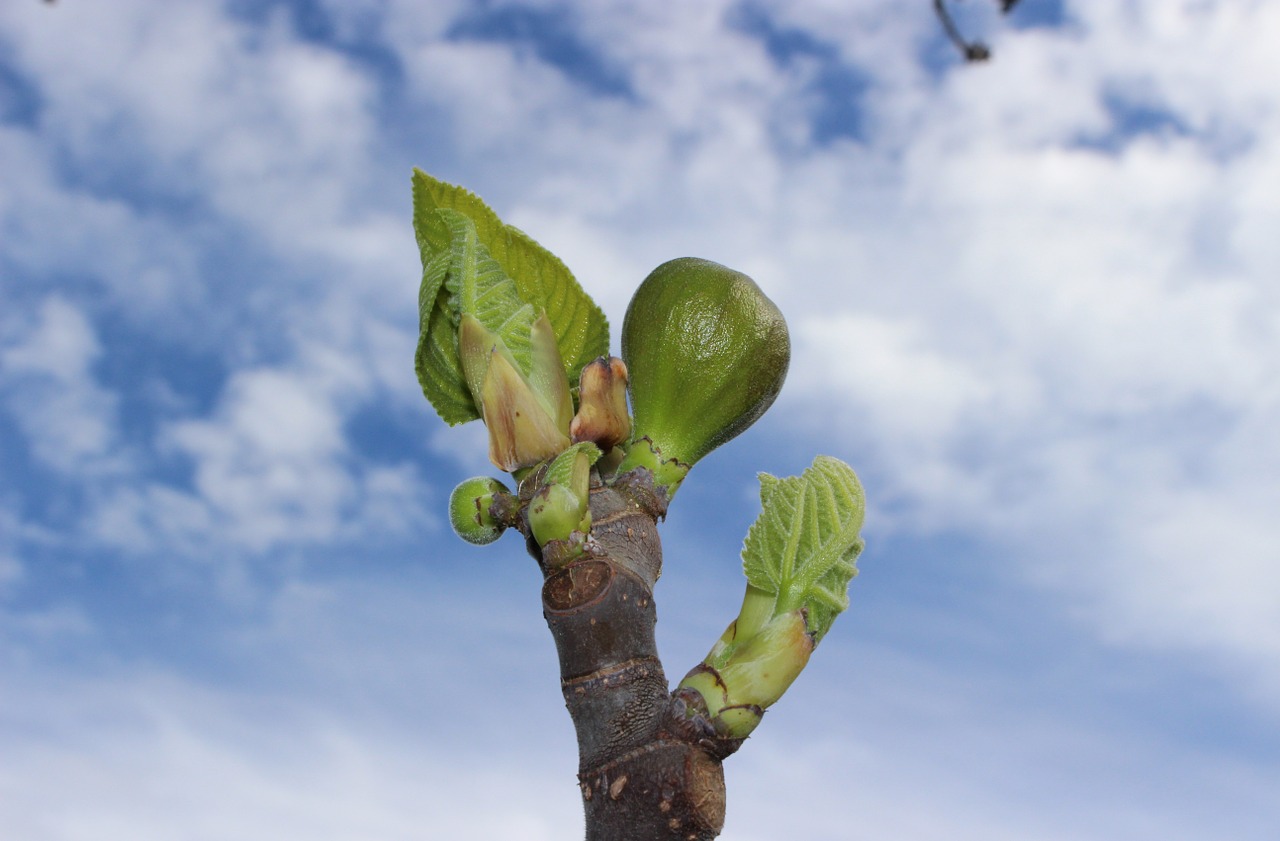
(802, 548)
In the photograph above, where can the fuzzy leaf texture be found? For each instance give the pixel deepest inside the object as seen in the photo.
(803, 547)
(464, 278)
(541, 279)
(560, 471)
(477, 286)
(436, 359)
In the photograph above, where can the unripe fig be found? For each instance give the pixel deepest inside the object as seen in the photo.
(707, 352)
(470, 509)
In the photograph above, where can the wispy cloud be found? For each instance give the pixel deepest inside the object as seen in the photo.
(45, 368)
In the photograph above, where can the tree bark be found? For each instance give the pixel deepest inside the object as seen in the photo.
(649, 764)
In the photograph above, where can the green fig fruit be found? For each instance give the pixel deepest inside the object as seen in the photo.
(707, 352)
(471, 509)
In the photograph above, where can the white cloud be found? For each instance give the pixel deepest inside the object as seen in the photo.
(1199, 571)
(1089, 275)
(155, 518)
(274, 467)
(250, 133)
(269, 467)
(158, 761)
(889, 367)
(47, 381)
(270, 133)
(352, 716)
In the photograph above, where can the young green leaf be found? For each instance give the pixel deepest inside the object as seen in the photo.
(436, 359)
(463, 278)
(541, 279)
(799, 558)
(480, 288)
(562, 470)
(802, 547)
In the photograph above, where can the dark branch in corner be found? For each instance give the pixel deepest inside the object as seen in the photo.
(971, 50)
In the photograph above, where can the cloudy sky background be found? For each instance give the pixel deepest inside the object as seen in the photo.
(1033, 303)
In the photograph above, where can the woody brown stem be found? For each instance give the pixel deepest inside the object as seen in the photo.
(649, 764)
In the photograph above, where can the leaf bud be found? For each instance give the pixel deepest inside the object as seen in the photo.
(527, 416)
(561, 505)
(741, 678)
(602, 404)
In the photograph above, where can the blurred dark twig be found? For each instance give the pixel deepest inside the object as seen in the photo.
(971, 50)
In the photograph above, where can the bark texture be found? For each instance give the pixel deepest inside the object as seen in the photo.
(649, 762)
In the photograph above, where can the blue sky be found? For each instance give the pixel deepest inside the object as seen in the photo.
(1031, 302)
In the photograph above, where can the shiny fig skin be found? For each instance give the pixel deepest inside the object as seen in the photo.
(707, 353)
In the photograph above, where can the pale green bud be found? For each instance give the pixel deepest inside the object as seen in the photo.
(527, 417)
(561, 506)
(744, 676)
(759, 671)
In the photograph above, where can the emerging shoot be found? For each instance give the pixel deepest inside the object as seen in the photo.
(504, 330)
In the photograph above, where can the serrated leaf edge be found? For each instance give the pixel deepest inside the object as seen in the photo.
(826, 477)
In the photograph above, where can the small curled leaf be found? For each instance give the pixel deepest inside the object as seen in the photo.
(802, 548)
